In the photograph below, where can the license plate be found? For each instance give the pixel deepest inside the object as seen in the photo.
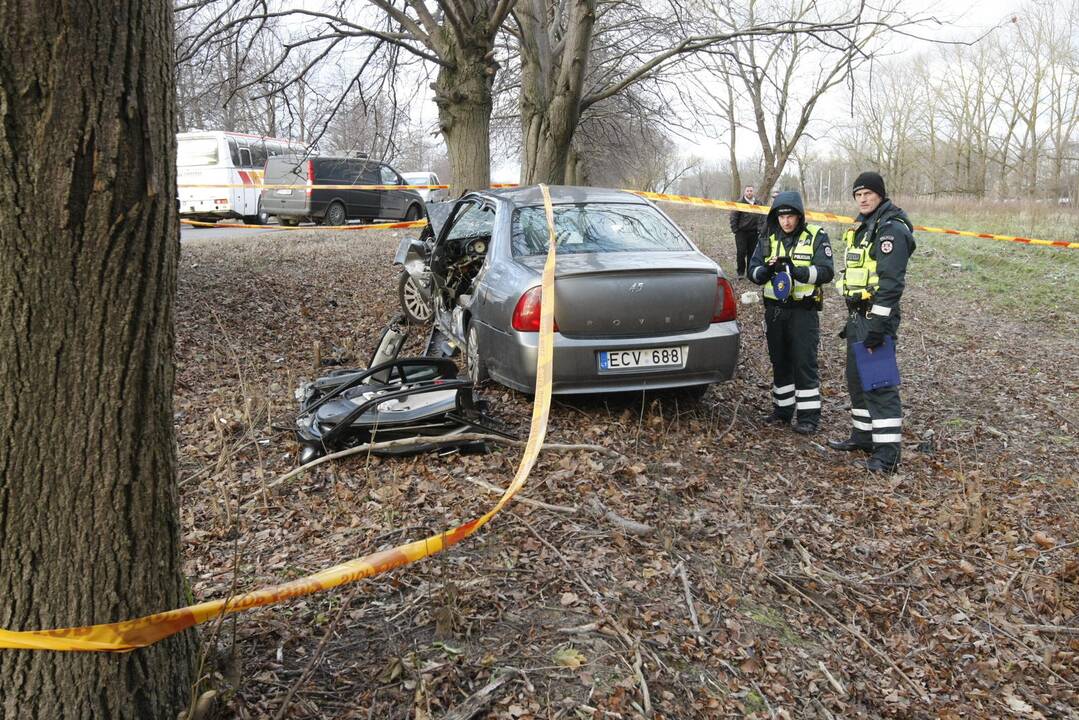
(284, 191)
(643, 358)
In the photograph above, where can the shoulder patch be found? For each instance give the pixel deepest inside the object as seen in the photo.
(886, 246)
(828, 250)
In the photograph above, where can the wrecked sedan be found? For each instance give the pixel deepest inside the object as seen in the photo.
(638, 306)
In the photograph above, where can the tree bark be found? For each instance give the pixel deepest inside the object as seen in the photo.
(552, 85)
(89, 530)
(463, 96)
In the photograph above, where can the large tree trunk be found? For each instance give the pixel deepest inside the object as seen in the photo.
(552, 85)
(89, 530)
(463, 96)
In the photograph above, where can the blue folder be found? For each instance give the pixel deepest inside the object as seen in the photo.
(877, 368)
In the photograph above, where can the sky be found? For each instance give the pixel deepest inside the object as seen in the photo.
(962, 21)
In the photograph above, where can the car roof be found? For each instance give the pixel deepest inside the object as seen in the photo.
(531, 195)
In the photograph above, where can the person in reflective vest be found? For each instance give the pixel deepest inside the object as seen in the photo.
(792, 252)
(878, 246)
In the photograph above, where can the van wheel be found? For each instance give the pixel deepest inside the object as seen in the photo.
(263, 217)
(413, 213)
(415, 306)
(335, 215)
(474, 365)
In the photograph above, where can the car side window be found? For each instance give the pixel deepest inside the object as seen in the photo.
(388, 176)
(245, 157)
(475, 221)
(370, 175)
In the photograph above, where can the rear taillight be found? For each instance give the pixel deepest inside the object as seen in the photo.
(310, 176)
(526, 316)
(726, 309)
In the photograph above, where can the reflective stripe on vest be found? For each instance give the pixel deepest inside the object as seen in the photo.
(801, 255)
(860, 280)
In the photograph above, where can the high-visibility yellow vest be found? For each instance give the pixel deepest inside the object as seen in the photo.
(860, 280)
(801, 255)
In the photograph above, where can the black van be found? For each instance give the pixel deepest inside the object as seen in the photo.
(337, 206)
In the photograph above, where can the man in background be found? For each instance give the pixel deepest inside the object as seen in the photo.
(746, 227)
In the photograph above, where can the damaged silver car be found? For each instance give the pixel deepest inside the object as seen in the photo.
(638, 306)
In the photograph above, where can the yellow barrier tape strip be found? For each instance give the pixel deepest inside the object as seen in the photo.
(131, 634)
(261, 186)
(371, 226)
(832, 217)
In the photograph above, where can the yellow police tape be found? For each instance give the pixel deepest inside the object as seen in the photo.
(370, 226)
(832, 217)
(140, 632)
(270, 186)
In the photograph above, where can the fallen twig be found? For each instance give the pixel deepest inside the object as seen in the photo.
(734, 416)
(478, 700)
(427, 440)
(858, 634)
(521, 499)
(681, 570)
(630, 526)
(836, 685)
(1050, 629)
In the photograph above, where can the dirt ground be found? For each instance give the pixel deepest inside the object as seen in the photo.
(948, 590)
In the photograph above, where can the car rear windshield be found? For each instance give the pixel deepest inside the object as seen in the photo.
(595, 229)
(196, 151)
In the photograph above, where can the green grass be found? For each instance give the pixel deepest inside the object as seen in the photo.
(1010, 280)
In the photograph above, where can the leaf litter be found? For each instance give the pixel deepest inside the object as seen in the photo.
(948, 590)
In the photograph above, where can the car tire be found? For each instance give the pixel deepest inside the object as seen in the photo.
(263, 217)
(413, 213)
(335, 215)
(475, 368)
(416, 308)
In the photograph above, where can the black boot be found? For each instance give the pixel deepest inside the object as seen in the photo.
(803, 427)
(876, 465)
(849, 445)
(775, 419)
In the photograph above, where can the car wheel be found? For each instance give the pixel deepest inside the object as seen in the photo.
(263, 217)
(415, 306)
(335, 215)
(474, 365)
(413, 213)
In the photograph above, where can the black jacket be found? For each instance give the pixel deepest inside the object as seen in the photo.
(744, 223)
(822, 269)
(892, 236)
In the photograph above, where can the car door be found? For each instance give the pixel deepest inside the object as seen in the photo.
(369, 201)
(394, 202)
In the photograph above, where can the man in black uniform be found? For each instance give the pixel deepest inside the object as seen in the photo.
(878, 246)
(792, 323)
(745, 226)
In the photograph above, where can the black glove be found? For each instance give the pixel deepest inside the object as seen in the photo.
(874, 338)
(800, 273)
(843, 333)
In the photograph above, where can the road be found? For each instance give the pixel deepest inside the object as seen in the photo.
(189, 232)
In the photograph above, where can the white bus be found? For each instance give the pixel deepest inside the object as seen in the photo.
(233, 162)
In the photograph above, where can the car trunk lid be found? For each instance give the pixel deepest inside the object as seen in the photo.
(631, 294)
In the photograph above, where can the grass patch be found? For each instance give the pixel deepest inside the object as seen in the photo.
(769, 617)
(1009, 280)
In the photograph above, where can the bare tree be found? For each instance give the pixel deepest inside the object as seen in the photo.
(456, 37)
(784, 76)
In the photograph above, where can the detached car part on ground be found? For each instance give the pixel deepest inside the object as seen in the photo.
(394, 398)
(638, 306)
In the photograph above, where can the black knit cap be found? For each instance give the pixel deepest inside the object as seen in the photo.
(869, 180)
